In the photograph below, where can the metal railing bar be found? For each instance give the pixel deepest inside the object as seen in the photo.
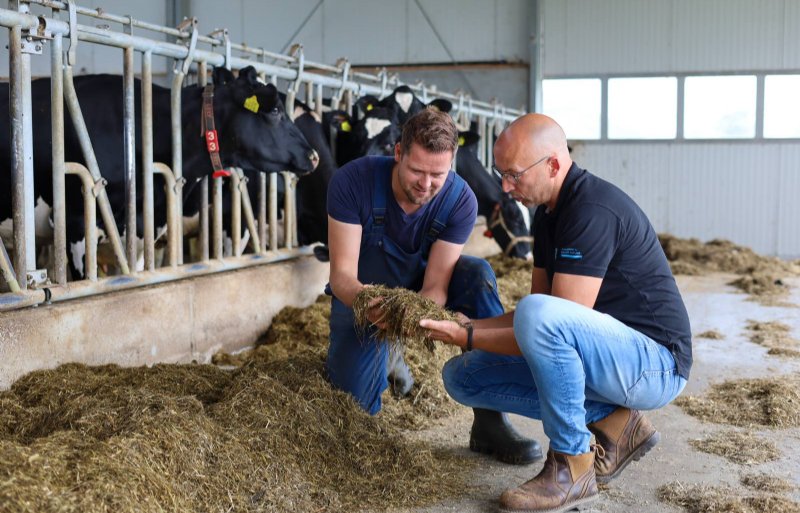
(80, 289)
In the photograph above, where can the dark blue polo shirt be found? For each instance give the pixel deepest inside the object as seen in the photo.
(598, 230)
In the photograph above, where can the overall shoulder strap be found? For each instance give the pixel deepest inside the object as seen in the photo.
(379, 199)
(445, 208)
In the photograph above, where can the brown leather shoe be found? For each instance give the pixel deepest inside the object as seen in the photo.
(625, 435)
(566, 482)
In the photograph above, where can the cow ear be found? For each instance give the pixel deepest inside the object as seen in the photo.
(249, 76)
(222, 76)
(441, 105)
(468, 138)
(341, 121)
(366, 103)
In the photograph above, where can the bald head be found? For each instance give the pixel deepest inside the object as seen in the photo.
(531, 140)
(534, 134)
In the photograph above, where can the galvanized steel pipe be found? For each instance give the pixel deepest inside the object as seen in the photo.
(273, 211)
(22, 202)
(147, 161)
(89, 192)
(57, 130)
(129, 152)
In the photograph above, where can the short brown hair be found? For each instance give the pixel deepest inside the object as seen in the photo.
(431, 129)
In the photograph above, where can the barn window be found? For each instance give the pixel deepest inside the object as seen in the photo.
(642, 108)
(781, 106)
(575, 104)
(720, 107)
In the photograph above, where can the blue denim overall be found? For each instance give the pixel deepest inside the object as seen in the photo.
(356, 362)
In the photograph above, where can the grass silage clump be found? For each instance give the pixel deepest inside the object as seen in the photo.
(741, 447)
(772, 402)
(402, 309)
(721, 499)
(266, 437)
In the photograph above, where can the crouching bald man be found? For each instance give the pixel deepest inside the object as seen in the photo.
(603, 335)
(402, 222)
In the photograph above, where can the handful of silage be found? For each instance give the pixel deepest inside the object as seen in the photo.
(403, 309)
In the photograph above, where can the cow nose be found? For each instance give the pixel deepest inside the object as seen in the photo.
(314, 158)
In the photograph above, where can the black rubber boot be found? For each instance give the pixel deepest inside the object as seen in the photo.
(493, 434)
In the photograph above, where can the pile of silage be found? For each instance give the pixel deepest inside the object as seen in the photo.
(513, 279)
(265, 437)
(775, 336)
(306, 331)
(710, 499)
(742, 447)
(772, 402)
(760, 276)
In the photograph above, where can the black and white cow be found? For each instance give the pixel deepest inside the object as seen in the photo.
(259, 136)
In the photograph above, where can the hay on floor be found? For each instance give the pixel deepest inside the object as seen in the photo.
(513, 279)
(767, 483)
(775, 336)
(771, 402)
(741, 447)
(711, 334)
(269, 436)
(718, 499)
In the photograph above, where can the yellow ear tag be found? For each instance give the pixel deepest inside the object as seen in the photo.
(346, 126)
(461, 140)
(251, 104)
(369, 107)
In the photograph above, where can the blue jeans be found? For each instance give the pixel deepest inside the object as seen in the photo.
(577, 366)
(357, 363)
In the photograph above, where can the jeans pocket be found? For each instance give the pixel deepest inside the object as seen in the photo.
(651, 391)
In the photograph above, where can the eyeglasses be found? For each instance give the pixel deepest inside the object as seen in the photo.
(514, 177)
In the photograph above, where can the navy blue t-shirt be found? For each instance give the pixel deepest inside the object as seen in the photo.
(350, 201)
(598, 230)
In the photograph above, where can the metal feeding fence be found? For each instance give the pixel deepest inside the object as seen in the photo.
(190, 53)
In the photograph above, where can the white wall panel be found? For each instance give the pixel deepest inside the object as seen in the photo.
(653, 36)
(738, 191)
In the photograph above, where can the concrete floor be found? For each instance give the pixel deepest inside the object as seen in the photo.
(712, 305)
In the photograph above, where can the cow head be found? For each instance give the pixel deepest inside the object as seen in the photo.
(254, 131)
(378, 132)
(509, 227)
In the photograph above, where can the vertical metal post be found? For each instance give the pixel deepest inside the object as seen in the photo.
(236, 216)
(217, 247)
(147, 160)
(288, 210)
(176, 253)
(21, 157)
(202, 80)
(57, 127)
(129, 147)
(535, 56)
(262, 209)
(273, 211)
(204, 219)
(318, 101)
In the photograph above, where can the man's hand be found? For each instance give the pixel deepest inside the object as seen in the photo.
(376, 315)
(449, 332)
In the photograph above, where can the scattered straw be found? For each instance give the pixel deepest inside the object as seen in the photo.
(270, 436)
(711, 334)
(761, 276)
(772, 402)
(708, 499)
(744, 448)
(403, 309)
(775, 336)
(767, 483)
(513, 279)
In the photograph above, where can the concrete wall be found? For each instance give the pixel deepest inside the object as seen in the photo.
(183, 321)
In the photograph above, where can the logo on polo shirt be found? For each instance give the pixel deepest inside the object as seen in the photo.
(569, 253)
